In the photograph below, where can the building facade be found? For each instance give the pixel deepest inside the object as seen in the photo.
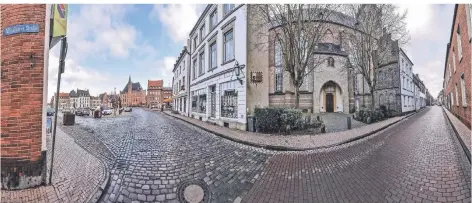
(24, 96)
(457, 71)
(64, 101)
(180, 84)
(133, 94)
(154, 93)
(217, 41)
(83, 98)
(94, 102)
(104, 99)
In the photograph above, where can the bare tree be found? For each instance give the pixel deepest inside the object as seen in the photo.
(367, 51)
(295, 31)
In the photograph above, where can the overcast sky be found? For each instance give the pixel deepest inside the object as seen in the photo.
(108, 43)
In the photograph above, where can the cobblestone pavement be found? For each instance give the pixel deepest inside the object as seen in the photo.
(77, 176)
(150, 154)
(336, 122)
(417, 160)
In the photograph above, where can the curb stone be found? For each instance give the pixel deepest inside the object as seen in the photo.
(464, 147)
(283, 148)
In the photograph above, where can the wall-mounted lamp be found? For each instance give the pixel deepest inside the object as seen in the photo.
(32, 61)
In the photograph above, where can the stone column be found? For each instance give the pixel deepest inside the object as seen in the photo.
(23, 158)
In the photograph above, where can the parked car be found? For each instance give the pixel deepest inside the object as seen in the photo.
(128, 109)
(50, 111)
(107, 112)
(82, 112)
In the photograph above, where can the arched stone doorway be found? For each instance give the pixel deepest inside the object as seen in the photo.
(331, 99)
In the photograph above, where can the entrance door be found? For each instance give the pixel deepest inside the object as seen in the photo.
(329, 102)
(212, 101)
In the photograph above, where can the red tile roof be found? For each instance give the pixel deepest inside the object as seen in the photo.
(155, 83)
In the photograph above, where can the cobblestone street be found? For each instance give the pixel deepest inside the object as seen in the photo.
(150, 155)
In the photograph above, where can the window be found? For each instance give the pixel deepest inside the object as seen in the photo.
(229, 106)
(227, 8)
(195, 43)
(407, 84)
(194, 68)
(228, 46)
(183, 83)
(404, 84)
(184, 66)
(459, 43)
(330, 62)
(202, 64)
(450, 70)
(404, 101)
(457, 95)
(213, 55)
(453, 61)
(202, 33)
(464, 100)
(379, 77)
(213, 19)
(278, 68)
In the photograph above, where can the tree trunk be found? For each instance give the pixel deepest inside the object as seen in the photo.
(372, 98)
(297, 96)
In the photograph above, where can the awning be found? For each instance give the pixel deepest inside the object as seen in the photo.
(167, 100)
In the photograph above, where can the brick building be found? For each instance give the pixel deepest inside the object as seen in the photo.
(154, 93)
(458, 65)
(23, 100)
(133, 94)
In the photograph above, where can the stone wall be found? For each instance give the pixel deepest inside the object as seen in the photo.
(22, 160)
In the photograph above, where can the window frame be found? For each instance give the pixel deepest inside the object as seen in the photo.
(201, 63)
(459, 43)
(225, 60)
(202, 32)
(210, 56)
(227, 10)
(463, 91)
(213, 24)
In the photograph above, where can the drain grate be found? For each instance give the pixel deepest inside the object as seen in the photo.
(193, 191)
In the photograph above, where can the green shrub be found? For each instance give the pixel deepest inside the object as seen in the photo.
(273, 119)
(292, 117)
(268, 119)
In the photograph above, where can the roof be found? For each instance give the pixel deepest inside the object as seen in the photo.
(155, 83)
(200, 18)
(406, 56)
(181, 56)
(73, 94)
(135, 86)
(83, 93)
(102, 95)
(63, 94)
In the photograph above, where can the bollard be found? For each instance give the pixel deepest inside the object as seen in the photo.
(348, 123)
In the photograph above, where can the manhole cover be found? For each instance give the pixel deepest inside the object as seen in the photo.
(193, 191)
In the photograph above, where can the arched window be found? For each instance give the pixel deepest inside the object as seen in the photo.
(330, 62)
(329, 37)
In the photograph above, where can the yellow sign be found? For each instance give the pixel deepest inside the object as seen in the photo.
(60, 20)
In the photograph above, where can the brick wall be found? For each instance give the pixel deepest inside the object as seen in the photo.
(463, 66)
(22, 97)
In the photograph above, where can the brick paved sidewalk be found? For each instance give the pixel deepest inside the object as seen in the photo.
(291, 143)
(462, 131)
(77, 176)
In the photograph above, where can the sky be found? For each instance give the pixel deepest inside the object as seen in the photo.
(109, 43)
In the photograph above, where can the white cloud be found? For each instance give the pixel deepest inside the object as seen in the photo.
(178, 19)
(75, 76)
(100, 30)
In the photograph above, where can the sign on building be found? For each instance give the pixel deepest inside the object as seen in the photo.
(21, 28)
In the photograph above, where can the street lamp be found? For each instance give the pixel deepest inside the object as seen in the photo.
(238, 70)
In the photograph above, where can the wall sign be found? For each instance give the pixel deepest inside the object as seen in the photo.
(21, 28)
